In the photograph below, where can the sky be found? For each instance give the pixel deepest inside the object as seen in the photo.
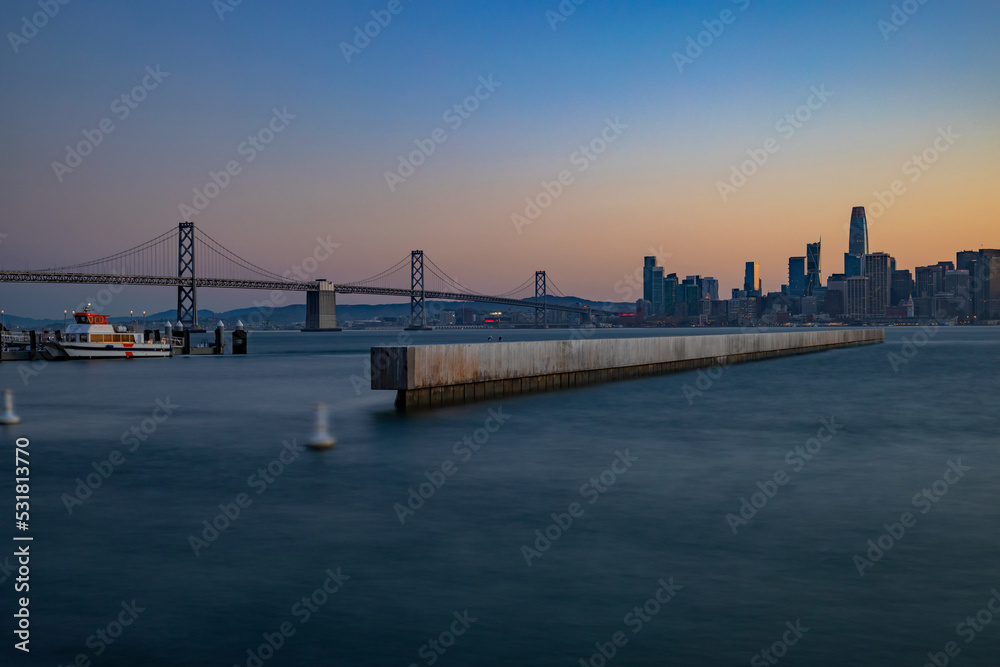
(648, 111)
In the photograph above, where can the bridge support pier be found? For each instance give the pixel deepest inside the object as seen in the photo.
(321, 308)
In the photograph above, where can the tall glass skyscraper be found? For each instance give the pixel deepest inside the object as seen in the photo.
(814, 267)
(647, 277)
(751, 279)
(857, 244)
(796, 276)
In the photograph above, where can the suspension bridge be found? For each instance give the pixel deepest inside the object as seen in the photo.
(188, 258)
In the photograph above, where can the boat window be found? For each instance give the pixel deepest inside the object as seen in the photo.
(83, 338)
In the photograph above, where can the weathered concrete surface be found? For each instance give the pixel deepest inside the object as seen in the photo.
(434, 375)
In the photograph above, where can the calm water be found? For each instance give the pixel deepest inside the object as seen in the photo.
(664, 516)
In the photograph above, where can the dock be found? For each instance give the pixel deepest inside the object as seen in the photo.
(429, 376)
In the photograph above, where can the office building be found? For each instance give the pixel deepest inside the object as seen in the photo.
(875, 267)
(814, 267)
(857, 299)
(929, 280)
(857, 245)
(796, 277)
(987, 282)
(670, 284)
(901, 288)
(656, 294)
(858, 242)
(751, 279)
(710, 288)
(647, 277)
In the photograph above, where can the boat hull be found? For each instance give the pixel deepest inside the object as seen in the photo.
(107, 350)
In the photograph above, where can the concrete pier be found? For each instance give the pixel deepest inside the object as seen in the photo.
(437, 375)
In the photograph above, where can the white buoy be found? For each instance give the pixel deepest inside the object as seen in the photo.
(8, 416)
(321, 438)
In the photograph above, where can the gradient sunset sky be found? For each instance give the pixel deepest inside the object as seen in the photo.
(655, 188)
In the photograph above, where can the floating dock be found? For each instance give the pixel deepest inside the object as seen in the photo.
(429, 376)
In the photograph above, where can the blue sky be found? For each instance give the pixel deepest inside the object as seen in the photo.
(655, 187)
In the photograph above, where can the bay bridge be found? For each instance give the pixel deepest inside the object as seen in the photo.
(187, 258)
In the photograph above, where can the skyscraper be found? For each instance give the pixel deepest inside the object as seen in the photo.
(751, 279)
(656, 293)
(902, 287)
(814, 267)
(876, 268)
(987, 280)
(856, 297)
(929, 280)
(670, 294)
(857, 244)
(710, 288)
(647, 278)
(796, 277)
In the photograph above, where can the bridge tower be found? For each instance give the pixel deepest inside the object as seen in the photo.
(187, 297)
(541, 292)
(418, 314)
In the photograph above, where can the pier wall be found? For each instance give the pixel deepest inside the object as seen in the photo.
(437, 375)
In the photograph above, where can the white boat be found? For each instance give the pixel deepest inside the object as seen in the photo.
(91, 337)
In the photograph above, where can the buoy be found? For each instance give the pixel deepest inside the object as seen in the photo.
(8, 416)
(321, 438)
